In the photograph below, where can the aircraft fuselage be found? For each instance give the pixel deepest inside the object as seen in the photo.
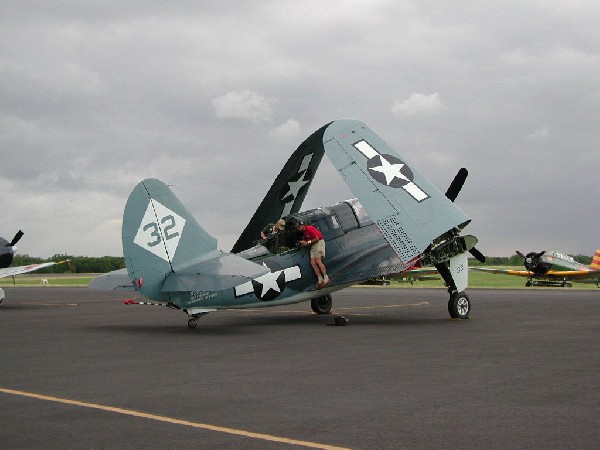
(355, 251)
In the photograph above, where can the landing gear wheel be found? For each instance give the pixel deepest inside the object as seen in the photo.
(321, 305)
(459, 305)
(192, 323)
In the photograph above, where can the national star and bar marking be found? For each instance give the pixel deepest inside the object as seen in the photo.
(390, 171)
(272, 281)
(295, 186)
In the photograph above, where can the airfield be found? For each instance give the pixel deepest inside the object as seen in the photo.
(79, 369)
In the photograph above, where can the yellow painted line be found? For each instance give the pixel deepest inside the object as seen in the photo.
(383, 306)
(130, 412)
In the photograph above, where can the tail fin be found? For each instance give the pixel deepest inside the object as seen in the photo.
(596, 260)
(159, 237)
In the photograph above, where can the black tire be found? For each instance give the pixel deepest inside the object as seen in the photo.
(459, 306)
(192, 323)
(322, 305)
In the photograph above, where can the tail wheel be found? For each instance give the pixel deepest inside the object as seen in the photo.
(321, 305)
(459, 305)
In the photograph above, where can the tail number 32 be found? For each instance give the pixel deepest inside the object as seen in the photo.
(168, 223)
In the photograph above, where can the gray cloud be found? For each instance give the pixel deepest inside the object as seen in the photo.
(212, 98)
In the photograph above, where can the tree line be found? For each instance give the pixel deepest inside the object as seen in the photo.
(103, 264)
(78, 264)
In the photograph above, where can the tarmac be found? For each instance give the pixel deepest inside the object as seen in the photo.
(79, 369)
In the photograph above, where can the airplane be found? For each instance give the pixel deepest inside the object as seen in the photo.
(397, 221)
(7, 253)
(552, 268)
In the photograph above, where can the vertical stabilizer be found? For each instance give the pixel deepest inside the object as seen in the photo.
(159, 237)
(596, 260)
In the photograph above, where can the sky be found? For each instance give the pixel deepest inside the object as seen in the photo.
(213, 97)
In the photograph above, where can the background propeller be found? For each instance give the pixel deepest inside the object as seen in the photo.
(7, 250)
(16, 239)
(532, 262)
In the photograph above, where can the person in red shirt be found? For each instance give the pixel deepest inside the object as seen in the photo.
(314, 239)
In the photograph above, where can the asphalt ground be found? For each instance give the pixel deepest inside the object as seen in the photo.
(79, 369)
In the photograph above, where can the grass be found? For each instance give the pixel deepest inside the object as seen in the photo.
(492, 281)
(35, 280)
(476, 280)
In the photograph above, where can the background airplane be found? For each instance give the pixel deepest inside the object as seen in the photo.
(398, 220)
(552, 268)
(7, 254)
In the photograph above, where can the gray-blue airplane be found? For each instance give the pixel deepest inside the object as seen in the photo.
(398, 221)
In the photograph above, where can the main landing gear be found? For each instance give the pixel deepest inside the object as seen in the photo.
(321, 305)
(459, 305)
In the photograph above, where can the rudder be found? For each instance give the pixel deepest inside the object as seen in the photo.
(596, 260)
(159, 237)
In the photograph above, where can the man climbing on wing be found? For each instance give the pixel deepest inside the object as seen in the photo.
(314, 238)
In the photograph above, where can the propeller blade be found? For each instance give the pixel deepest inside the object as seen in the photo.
(457, 184)
(16, 239)
(520, 254)
(477, 255)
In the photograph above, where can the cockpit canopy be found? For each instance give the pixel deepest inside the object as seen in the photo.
(333, 221)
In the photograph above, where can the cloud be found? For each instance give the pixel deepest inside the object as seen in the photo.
(288, 130)
(541, 134)
(245, 105)
(417, 105)
(212, 97)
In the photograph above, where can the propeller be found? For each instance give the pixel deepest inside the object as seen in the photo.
(7, 249)
(457, 184)
(477, 255)
(533, 263)
(452, 192)
(16, 239)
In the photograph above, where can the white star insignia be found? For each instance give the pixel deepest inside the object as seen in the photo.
(294, 187)
(390, 171)
(269, 281)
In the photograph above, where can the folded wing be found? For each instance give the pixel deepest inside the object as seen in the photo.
(410, 212)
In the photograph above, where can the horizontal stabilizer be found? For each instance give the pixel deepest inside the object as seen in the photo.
(117, 280)
(215, 274)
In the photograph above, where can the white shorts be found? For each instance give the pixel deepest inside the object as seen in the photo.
(318, 249)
